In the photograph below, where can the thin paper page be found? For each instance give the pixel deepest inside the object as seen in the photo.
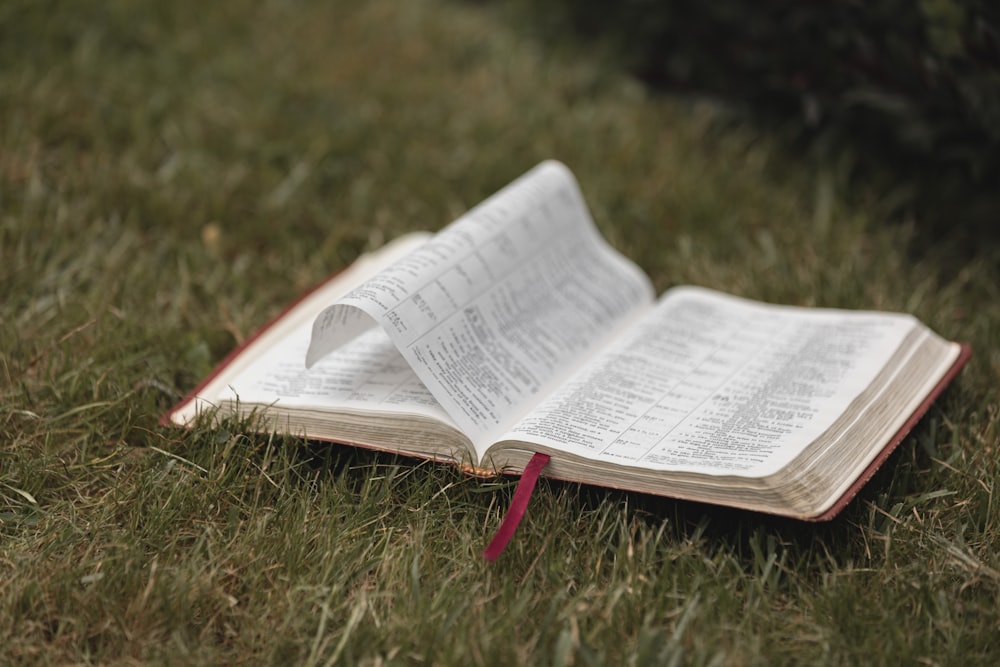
(298, 319)
(712, 383)
(497, 308)
(367, 373)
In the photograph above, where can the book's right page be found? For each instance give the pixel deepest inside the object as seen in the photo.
(713, 384)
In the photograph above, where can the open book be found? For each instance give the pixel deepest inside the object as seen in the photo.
(517, 329)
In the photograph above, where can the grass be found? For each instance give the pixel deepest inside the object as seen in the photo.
(173, 175)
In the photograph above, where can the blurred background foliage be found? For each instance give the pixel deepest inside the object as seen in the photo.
(908, 92)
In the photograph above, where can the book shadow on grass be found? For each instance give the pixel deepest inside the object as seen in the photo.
(746, 536)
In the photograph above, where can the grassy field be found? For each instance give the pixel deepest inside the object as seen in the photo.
(172, 174)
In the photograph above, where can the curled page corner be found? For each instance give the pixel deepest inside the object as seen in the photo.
(335, 326)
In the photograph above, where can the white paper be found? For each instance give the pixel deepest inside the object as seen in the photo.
(284, 341)
(501, 305)
(368, 374)
(712, 383)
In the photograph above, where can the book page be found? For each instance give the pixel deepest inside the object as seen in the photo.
(499, 307)
(715, 384)
(367, 374)
(287, 335)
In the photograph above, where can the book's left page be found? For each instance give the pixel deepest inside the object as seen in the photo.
(365, 393)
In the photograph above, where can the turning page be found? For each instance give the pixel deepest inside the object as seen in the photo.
(500, 306)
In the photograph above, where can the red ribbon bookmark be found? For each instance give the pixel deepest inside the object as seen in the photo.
(518, 505)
